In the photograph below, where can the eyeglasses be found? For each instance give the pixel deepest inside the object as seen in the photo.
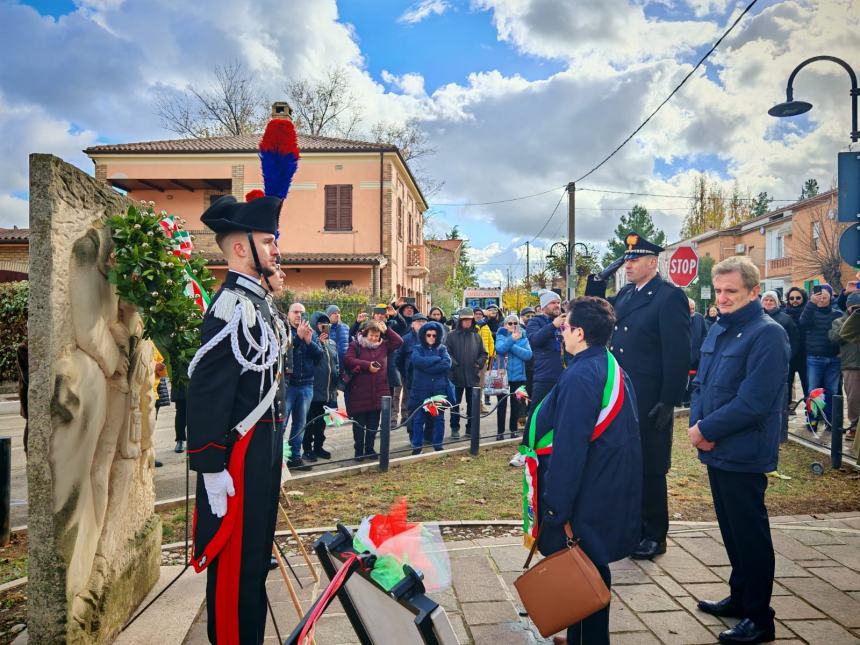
(511, 324)
(795, 298)
(430, 334)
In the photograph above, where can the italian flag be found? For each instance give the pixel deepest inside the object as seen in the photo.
(195, 291)
(613, 399)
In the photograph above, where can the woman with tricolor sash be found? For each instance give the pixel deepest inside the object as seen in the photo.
(584, 457)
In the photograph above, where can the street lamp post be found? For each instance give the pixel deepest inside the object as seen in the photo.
(793, 108)
(562, 250)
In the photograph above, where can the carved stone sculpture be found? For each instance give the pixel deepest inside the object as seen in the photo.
(94, 537)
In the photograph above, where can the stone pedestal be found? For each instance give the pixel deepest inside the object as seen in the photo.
(95, 539)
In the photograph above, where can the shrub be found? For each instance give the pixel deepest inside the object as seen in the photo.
(350, 302)
(13, 325)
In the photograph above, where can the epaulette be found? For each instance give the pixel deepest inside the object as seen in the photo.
(226, 303)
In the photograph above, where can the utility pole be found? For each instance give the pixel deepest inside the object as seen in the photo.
(571, 240)
(528, 272)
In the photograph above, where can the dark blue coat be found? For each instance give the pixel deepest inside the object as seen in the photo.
(545, 341)
(305, 359)
(815, 322)
(596, 485)
(339, 333)
(429, 366)
(404, 357)
(738, 392)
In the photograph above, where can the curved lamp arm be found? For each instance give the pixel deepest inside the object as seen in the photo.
(789, 89)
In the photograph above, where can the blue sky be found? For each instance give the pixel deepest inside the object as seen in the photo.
(517, 96)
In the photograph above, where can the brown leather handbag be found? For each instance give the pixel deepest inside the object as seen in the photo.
(563, 588)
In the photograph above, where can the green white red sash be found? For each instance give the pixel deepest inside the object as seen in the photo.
(610, 406)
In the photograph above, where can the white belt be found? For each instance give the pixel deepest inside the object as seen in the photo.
(257, 413)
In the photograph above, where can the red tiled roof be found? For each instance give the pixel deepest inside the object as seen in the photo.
(243, 143)
(11, 235)
(448, 245)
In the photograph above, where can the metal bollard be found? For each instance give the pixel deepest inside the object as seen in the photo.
(5, 488)
(475, 421)
(836, 432)
(385, 434)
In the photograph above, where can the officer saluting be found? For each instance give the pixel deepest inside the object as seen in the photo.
(651, 333)
(234, 443)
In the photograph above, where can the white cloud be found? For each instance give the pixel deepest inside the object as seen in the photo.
(14, 212)
(492, 278)
(480, 256)
(424, 9)
(411, 84)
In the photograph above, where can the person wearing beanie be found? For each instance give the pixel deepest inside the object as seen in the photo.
(771, 305)
(544, 334)
(849, 359)
(652, 324)
(339, 332)
(403, 359)
(514, 351)
(822, 354)
(468, 358)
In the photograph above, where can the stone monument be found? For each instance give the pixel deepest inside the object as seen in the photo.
(95, 540)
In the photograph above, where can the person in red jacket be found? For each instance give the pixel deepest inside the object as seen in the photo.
(367, 360)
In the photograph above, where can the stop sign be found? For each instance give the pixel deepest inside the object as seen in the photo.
(683, 266)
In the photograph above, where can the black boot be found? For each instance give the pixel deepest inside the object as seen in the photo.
(649, 549)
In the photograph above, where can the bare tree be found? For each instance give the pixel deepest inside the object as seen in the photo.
(230, 105)
(414, 144)
(816, 245)
(327, 107)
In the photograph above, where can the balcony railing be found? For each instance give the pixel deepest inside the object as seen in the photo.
(779, 264)
(416, 261)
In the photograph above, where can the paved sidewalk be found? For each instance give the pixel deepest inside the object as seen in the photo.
(816, 594)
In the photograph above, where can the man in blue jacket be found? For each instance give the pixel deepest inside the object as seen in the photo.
(735, 418)
(544, 336)
(306, 353)
(339, 331)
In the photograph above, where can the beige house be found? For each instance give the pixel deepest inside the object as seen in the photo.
(353, 218)
(786, 244)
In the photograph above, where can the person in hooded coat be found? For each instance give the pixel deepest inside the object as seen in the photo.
(437, 314)
(513, 349)
(430, 364)
(795, 301)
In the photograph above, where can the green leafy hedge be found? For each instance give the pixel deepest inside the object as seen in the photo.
(13, 325)
(350, 302)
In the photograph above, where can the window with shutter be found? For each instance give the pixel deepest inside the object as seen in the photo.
(399, 218)
(338, 207)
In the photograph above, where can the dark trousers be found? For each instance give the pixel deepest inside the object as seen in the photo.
(742, 515)
(180, 422)
(593, 630)
(259, 515)
(456, 413)
(502, 408)
(315, 432)
(797, 366)
(655, 507)
(540, 390)
(364, 438)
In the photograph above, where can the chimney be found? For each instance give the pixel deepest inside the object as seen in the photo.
(281, 110)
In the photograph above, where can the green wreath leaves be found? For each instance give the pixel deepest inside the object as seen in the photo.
(148, 274)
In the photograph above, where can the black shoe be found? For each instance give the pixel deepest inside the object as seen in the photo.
(514, 435)
(180, 446)
(322, 454)
(649, 549)
(371, 455)
(158, 464)
(358, 458)
(724, 608)
(499, 437)
(747, 631)
(297, 464)
(309, 456)
(416, 451)
(273, 564)
(455, 433)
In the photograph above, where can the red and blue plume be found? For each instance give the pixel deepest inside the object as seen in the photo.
(279, 157)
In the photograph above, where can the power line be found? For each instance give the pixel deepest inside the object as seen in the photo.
(671, 94)
(551, 215)
(624, 192)
(502, 201)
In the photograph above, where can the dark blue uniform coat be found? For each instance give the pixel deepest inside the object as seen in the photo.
(596, 485)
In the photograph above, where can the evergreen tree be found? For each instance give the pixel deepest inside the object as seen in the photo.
(761, 204)
(465, 275)
(810, 189)
(638, 220)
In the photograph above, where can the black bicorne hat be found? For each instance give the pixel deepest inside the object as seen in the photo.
(228, 214)
(637, 246)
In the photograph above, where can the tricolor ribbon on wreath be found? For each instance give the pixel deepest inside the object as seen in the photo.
(613, 398)
(435, 404)
(182, 248)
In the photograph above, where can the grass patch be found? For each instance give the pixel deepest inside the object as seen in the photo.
(13, 558)
(459, 487)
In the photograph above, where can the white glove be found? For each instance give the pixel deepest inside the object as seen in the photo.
(218, 487)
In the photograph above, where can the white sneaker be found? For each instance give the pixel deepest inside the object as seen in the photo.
(518, 460)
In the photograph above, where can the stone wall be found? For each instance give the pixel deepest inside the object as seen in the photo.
(94, 537)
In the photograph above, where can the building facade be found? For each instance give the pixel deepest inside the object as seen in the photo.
(353, 219)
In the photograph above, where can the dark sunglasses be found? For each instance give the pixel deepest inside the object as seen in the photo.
(795, 298)
(430, 334)
(511, 324)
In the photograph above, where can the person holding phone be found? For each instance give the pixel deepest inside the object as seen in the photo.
(306, 353)
(367, 361)
(822, 354)
(325, 390)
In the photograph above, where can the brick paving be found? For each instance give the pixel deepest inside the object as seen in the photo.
(816, 592)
